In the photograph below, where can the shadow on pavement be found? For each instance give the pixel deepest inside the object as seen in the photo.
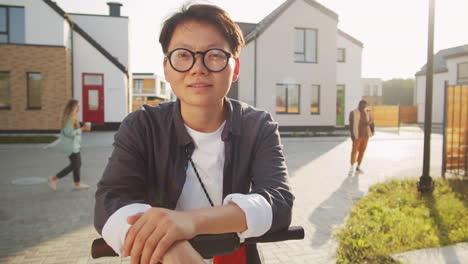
(334, 209)
(295, 155)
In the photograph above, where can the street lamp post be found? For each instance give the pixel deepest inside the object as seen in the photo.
(425, 183)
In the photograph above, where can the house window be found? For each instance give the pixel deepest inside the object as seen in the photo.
(138, 86)
(163, 87)
(341, 56)
(34, 90)
(5, 90)
(93, 79)
(367, 90)
(305, 45)
(11, 24)
(462, 73)
(376, 90)
(287, 98)
(315, 100)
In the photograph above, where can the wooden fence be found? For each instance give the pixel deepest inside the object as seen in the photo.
(393, 115)
(408, 114)
(455, 152)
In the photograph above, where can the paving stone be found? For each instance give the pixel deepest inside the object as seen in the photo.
(39, 225)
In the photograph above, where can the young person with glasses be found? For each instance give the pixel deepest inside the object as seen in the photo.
(204, 164)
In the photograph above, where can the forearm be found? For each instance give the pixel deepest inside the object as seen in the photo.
(219, 219)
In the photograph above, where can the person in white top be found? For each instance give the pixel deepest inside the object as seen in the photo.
(205, 164)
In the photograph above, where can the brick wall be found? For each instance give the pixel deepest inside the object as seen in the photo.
(54, 65)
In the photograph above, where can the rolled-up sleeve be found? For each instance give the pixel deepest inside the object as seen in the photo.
(270, 174)
(116, 227)
(257, 212)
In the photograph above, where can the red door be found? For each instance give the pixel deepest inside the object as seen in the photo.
(93, 98)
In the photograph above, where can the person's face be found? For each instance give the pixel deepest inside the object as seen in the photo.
(77, 108)
(199, 86)
(362, 107)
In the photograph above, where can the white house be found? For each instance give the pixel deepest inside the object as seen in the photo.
(149, 88)
(451, 66)
(372, 90)
(297, 65)
(49, 56)
(349, 61)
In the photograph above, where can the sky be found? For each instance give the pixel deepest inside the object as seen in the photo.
(394, 32)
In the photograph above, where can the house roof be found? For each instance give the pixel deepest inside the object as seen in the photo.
(350, 38)
(86, 36)
(246, 27)
(270, 18)
(441, 56)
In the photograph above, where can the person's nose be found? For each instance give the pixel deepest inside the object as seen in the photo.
(198, 66)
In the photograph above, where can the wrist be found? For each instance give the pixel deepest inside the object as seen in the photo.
(198, 219)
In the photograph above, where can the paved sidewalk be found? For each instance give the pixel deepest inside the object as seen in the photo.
(454, 254)
(41, 226)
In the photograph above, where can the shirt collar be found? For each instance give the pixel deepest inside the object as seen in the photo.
(232, 123)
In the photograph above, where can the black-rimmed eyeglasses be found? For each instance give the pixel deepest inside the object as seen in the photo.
(182, 60)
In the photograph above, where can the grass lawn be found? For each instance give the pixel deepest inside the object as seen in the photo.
(393, 217)
(27, 139)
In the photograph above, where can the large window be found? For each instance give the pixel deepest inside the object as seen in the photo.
(5, 90)
(376, 90)
(305, 45)
(138, 86)
(462, 73)
(367, 91)
(34, 90)
(11, 24)
(163, 87)
(287, 98)
(315, 100)
(341, 56)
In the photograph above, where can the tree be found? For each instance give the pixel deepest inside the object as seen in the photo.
(398, 91)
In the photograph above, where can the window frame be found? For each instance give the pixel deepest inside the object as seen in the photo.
(7, 107)
(28, 107)
(305, 45)
(375, 90)
(344, 55)
(7, 33)
(162, 88)
(135, 86)
(367, 89)
(286, 85)
(318, 97)
(465, 78)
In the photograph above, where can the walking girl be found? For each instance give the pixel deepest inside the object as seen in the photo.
(71, 141)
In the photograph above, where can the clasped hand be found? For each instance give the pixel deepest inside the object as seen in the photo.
(159, 231)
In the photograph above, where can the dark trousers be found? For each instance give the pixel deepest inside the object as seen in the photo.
(75, 164)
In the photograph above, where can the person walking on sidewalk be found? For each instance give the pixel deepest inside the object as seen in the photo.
(71, 141)
(361, 127)
(204, 164)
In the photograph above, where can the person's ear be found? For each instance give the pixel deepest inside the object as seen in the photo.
(164, 67)
(235, 76)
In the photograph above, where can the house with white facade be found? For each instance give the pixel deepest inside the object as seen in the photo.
(451, 67)
(372, 91)
(50, 56)
(300, 67)
(149, 88)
